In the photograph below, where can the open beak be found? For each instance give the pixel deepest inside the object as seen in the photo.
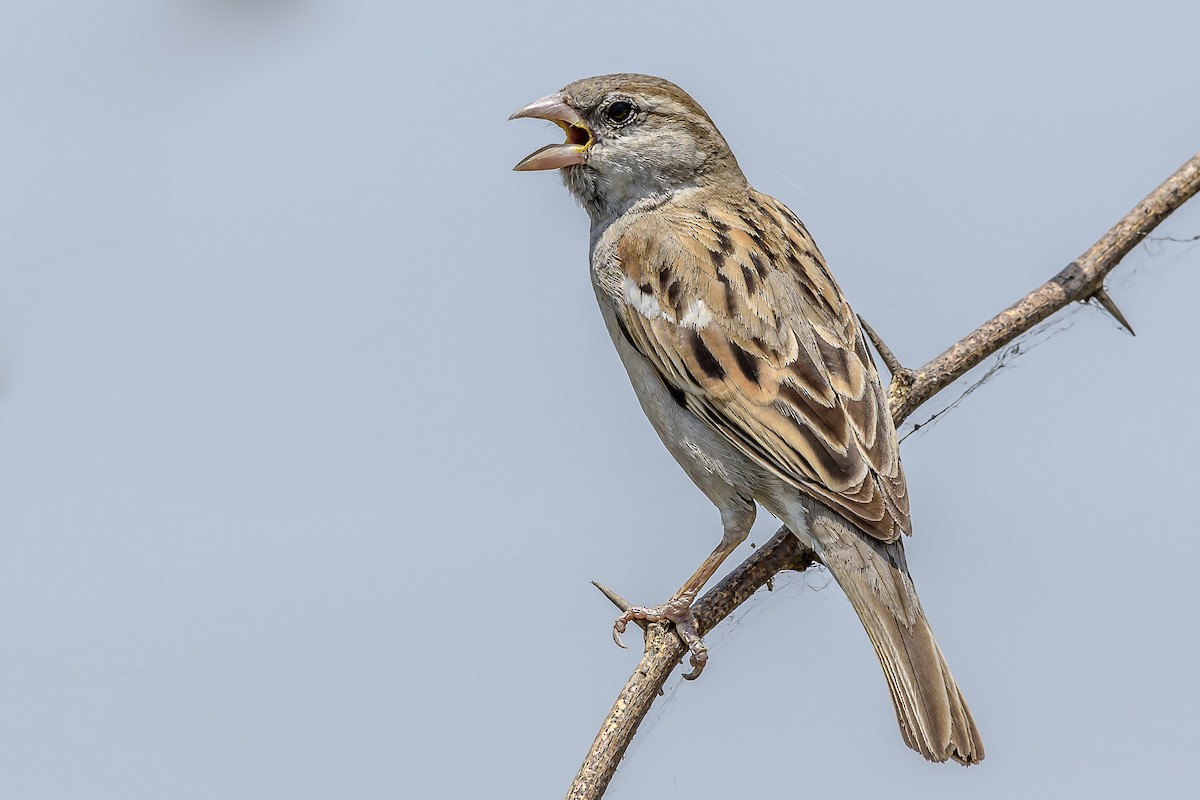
(556, 109)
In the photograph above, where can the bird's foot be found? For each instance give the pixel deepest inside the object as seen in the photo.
(677, 610)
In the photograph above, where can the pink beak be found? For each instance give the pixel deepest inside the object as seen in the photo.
(556, 109)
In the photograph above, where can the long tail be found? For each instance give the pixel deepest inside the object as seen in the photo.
(933, 716)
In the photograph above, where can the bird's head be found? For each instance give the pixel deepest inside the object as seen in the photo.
(629, 137)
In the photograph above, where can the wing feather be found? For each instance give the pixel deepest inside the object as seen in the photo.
(741, 318)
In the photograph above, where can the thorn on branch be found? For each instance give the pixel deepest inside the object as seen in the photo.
(889, 358)
(620, 602)
(1106, 302)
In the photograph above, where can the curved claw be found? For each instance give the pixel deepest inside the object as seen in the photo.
(618, 629)
(686, 627)
(677, 611)
(697, 660)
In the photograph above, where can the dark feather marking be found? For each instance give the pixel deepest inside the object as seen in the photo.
(704, 357)
(627, 335)
(676, 393)
(806, 371)
(720, 226)
(673, 293)
(760, 266)
(840, 467)
(830, 421)
(760, 242)
(793, 262)
(802, 284)
(837, 360)
(729, 305)
(789, 215)
(757, 234)
(751, 280)
(747, 363)
(724, 243)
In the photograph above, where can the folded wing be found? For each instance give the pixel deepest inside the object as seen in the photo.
(744, 323)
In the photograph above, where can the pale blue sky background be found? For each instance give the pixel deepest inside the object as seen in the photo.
(311, 437)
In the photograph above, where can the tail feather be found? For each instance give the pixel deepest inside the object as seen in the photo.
(933, 716)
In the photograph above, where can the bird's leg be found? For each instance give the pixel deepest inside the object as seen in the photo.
(678, 609)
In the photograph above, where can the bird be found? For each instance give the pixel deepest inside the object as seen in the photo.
(752, 368)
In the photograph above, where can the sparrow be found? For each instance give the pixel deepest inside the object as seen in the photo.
(751, 367)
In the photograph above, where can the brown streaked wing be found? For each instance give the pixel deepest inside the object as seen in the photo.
(777, 364)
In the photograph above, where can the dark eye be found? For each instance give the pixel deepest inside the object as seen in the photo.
(619, 112)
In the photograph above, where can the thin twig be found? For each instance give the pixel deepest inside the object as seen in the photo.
(1080, 281)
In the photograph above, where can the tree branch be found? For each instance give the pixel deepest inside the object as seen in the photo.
(1081, 280)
